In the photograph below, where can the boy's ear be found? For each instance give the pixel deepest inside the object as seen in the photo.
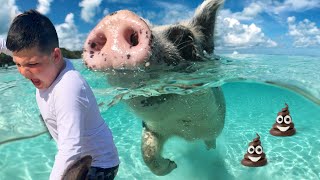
(57, 55)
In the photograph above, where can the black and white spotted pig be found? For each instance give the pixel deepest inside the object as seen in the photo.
(124, 42)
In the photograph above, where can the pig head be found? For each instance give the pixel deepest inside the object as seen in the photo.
(123, 41)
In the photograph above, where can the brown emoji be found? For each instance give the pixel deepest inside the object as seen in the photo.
(284, 125)
(255, 156)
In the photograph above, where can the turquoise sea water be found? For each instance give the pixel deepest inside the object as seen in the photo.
(252, 107)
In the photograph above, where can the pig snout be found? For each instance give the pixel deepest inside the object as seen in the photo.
(120, 40)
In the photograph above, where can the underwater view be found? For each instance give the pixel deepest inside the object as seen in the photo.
(190, 90)
(251, 107)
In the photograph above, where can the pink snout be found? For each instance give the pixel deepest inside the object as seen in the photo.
(120, 40)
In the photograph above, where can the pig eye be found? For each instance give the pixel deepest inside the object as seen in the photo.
(279, 119)
(259, 149)
(183, 40)
(250, 149)
(287, 119)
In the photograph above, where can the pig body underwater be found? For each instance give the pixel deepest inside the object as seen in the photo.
(123, 42)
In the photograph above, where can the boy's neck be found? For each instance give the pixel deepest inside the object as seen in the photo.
(62, 65)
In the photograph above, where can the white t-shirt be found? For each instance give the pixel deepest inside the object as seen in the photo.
(71, 113)
(3, 47)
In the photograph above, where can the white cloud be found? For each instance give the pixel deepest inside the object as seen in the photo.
(248, 13)
(273, 7)
(106, 11)
(120, 1)
(305, 33)
(252, 10)
(69, 36)
(150, 15)
(9, 10)
(44, 6)
(294, 5)
(231, 33)
(89, 9)
(172, 13)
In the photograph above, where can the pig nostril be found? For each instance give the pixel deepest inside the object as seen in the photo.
(97, 43)
(134, 39)
(93, 45)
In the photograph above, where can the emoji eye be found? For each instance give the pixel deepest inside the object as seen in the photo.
(250, 149)
(259, 150)
(287, 119)
(279, 119)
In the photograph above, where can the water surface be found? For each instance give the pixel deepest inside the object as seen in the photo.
(252, 107)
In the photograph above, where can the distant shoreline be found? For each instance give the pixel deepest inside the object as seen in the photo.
(6, 61)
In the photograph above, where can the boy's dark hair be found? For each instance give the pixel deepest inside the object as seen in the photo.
(32, 29)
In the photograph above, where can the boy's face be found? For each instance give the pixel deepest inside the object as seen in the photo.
(40, 68)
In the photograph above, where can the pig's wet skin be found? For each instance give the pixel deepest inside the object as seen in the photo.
(123, 42)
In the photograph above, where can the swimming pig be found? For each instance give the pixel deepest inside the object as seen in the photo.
(133, 49)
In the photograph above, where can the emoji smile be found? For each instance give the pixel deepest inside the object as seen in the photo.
(254, 159)
(283, 129)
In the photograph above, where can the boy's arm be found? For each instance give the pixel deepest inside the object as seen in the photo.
(71, 106)
(3, 47)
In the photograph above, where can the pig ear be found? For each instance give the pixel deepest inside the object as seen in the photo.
(204, 20)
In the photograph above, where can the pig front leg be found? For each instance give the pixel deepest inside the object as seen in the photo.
(152, 145)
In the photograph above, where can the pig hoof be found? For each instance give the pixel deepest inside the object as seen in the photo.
(171, 165)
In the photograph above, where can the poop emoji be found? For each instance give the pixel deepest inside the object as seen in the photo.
(284, 125)
(255, 156)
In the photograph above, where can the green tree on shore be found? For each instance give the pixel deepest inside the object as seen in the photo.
(7, 60)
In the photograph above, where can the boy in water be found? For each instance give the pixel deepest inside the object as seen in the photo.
(66, 102)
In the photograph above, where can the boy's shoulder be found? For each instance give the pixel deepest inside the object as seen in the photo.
(70, 78)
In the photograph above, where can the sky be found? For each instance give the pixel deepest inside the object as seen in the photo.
(289, 27)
